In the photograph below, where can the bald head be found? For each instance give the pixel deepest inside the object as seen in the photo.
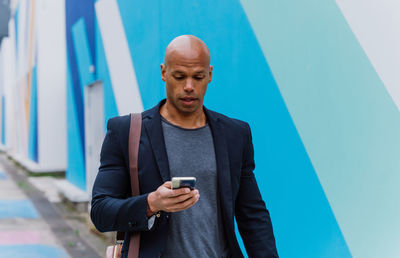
(187, 47)
(186, 72)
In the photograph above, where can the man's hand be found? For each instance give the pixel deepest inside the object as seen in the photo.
(169, 200)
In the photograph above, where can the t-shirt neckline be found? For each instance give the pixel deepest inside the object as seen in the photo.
(163, 119)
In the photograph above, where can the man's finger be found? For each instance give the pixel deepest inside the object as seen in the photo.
(172, 201)
(167, 184)
(180, 191)
(186, 204)
(183, 197)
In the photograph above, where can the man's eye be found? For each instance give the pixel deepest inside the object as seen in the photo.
(178, 77)
(199, 78)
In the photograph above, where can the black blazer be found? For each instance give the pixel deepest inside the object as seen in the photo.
(113, 209)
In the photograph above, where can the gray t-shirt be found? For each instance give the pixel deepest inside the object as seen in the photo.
(197, 231)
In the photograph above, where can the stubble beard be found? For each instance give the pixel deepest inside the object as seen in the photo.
(182, 110)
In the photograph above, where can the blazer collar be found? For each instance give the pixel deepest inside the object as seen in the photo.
(156, 136)
(223, 164)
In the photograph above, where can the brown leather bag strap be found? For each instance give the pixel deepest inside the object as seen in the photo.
(134, 140)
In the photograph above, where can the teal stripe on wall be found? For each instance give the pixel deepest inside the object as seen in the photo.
(3, 120)
(346, 119)
(84, 60)
(16, 22)
(33, 127)
(75, 157)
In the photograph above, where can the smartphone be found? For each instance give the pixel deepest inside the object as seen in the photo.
(179, 182)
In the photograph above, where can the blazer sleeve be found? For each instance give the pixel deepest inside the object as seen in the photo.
(252, 217)
(113, 208)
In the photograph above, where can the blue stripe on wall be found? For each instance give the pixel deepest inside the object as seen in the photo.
(243, 87)
(33, 130)
(82, 51)
(75, 153)
(16, 16)
(84, 62)
(75, 10)
(3, 120)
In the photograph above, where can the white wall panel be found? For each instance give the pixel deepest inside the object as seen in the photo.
(8, 48)
(51, 81)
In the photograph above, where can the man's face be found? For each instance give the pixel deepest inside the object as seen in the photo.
(186, 75)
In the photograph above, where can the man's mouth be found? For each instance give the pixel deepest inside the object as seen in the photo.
(188, 100)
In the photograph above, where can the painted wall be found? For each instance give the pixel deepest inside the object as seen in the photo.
(316, 80)
(34, 91)
(335, 72)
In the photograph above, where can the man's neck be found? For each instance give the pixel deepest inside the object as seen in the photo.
(189, 121)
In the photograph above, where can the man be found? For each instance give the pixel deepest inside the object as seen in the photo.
(180, 137)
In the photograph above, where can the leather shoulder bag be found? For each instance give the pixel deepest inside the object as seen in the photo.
(114, 251)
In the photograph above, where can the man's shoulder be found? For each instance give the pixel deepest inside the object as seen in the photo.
(123, 122)
(229, 122)
(118, 122)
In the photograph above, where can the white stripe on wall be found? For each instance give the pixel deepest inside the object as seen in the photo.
(51, 85)
(376, 25)
(122, 72)
(22, 32)
(9, 50)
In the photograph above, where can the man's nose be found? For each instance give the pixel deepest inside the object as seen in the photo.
(188, 86)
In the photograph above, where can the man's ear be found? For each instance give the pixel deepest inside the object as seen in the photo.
(163, 70)
(210, 73)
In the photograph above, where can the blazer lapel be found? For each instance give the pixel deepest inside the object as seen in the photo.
(154, 131)
(223, 168)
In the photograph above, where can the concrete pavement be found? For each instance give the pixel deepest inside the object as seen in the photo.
(31, 226)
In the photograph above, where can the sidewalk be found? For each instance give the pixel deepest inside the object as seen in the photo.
(31, 226)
